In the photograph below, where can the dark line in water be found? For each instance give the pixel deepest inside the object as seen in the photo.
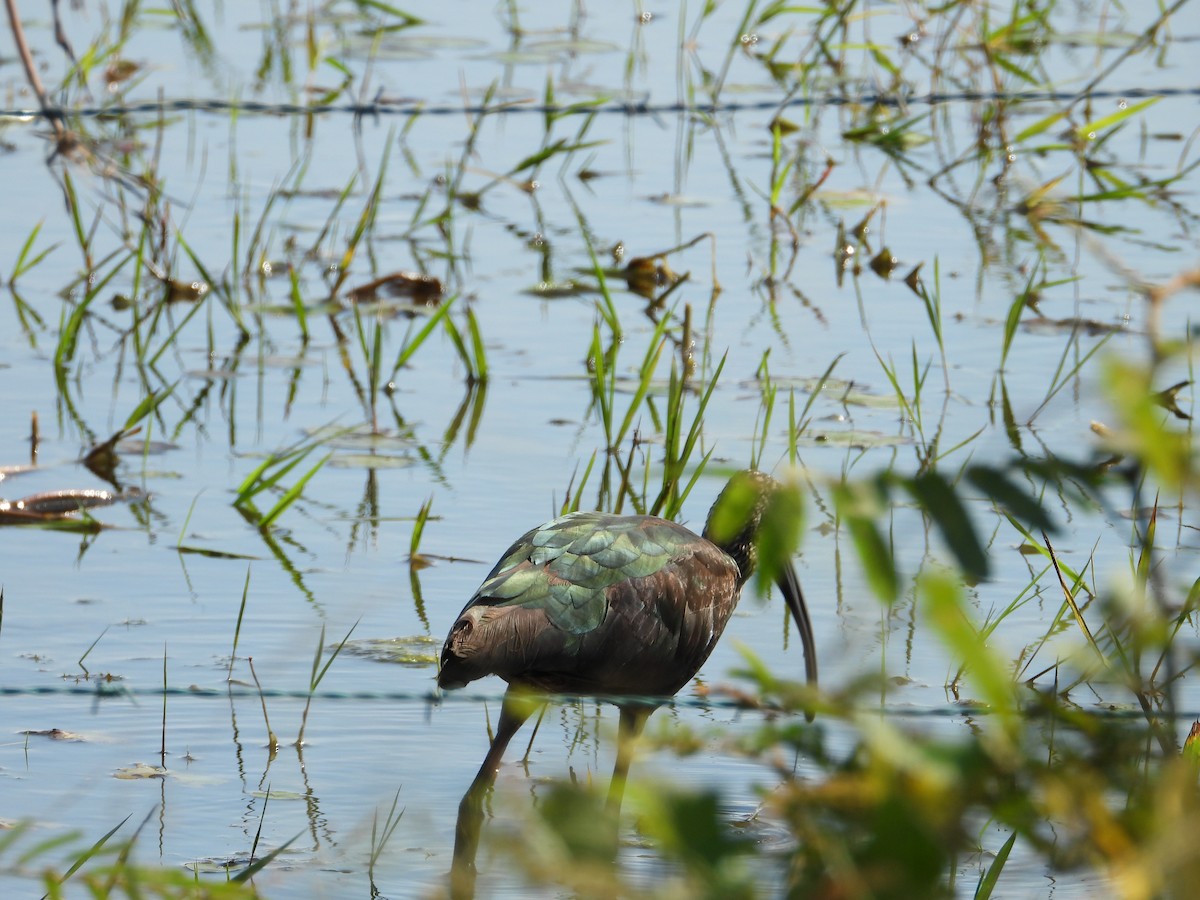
(626, 109)
(113, 691)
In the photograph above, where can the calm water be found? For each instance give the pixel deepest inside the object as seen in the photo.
(338, 557)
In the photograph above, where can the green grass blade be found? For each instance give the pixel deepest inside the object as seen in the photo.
(292, 493)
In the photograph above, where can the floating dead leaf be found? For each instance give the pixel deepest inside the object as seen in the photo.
(147, 448)
(119, 70)
(1167, 399)
(883, 263)
(555, 290)
(681, 200)
(420, 288)
(274, 794)
(53, 505)
(417, 651)
(214, 865)
(184, 291)
(913, 279)
(646, 274)
(210, 553)
(361, 440)
(847, 392)
(140, 770)
(853, 438)
(1090, 327)
(369, 461)
(56, 734)
(102, 459)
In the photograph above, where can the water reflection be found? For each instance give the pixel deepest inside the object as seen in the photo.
(518, 707)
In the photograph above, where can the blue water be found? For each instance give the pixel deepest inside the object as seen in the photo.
(340, 557)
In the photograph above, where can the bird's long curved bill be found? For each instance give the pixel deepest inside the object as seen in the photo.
(789, 586)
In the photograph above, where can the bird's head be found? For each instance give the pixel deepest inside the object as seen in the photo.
(736, 525)
(736, 517)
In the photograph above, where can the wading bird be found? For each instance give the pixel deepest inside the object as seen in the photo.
(600, 604)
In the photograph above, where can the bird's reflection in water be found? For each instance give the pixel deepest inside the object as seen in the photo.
(518, 706)
(605, 605)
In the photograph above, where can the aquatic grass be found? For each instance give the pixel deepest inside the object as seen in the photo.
(679, 447)
(87, 652)
(602, 365)
(28, 317)
(318, 674)
(102, 458)
(991, 876)
(413, 342)
(257, 263)
(103, 869)
(932, 300)
(290, 495)
(24, 262)
(780, 170)
(1063, 375)
(237, 628)
(799, 424)
(1063, 572)
(372, 352)
(83, 237)
(380, 837)
(162, 748)
(911, 406)
(470, 413)
(766, 407)
(364, 223)
(415, 558)
(270, 472)
(82, 859)
(298, 303)
(272, 740)
(992, 622)
(944, 604)
(573, 496)
(471, 351)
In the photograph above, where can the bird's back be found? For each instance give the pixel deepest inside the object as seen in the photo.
(596, 603)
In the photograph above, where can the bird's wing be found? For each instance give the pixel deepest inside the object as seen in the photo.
(566, 566)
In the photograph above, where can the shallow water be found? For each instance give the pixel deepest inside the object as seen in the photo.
(337, 559)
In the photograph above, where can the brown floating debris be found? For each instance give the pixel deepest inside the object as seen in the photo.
(103, 458)
(883, 263)
(913, 279)
(120, 70)
(1090, 327)
(1168, 400)
(53, 505)
(55, 734)
(414, 285)
(184, 291)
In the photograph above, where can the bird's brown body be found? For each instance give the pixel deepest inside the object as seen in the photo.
(627, 607)
(640, 634)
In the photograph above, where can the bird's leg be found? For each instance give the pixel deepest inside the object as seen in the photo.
(518, 707)
(633, 720)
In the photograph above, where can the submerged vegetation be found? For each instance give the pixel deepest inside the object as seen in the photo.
(930, 264)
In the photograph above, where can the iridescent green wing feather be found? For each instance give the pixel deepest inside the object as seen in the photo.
(565, 567)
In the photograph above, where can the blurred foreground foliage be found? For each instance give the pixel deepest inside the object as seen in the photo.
(868, 802)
